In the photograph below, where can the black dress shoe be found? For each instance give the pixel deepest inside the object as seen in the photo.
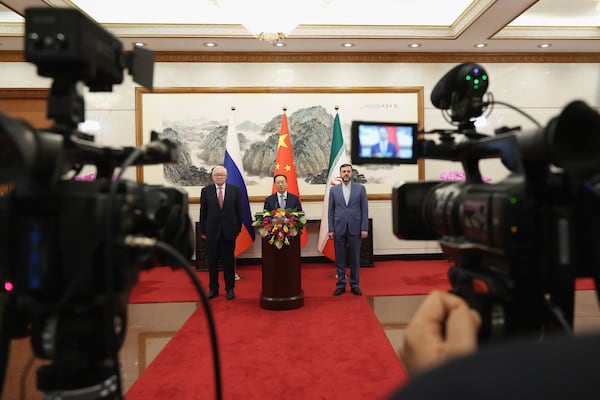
(339, 291)
(356, 290)
(212, 294)
(230, 294)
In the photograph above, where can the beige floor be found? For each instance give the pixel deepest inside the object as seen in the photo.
(151, 326)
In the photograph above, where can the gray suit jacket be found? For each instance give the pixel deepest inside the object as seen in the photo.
(354, 216)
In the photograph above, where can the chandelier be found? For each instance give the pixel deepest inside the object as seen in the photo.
(271, 20)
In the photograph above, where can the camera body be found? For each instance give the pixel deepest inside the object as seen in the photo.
(71, 250)
(517, 245)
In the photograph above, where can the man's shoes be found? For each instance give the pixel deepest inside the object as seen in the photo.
(339, 291)
(230, 294)
(213, 293)
(356, 290)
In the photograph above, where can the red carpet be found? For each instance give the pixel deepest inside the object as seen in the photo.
(387, 278)
(332, 348)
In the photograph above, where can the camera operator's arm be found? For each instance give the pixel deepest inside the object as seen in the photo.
(443, 328)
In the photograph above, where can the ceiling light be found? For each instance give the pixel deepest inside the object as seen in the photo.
(279, 44)
(139, 44)
(271, 20)
(544, 45)
(209, 44)
(480, 45)
(414, 45)
(347, 44)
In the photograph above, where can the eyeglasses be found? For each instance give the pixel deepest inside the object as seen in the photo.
(219, 174)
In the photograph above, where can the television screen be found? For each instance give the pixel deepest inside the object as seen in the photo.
(383, 142)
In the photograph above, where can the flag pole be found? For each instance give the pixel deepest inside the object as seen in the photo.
(236, 276)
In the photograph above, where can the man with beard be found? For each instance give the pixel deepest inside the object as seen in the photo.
(348, 225)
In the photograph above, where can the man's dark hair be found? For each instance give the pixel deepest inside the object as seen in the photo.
(345, 165)
(275, 177)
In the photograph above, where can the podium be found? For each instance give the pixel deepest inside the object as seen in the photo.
(281, 276)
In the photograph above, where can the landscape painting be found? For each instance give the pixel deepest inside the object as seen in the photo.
(197, 120)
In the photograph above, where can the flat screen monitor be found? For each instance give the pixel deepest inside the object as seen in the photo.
(383, 142)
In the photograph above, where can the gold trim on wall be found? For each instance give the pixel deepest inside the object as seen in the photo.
(377, 57)
(338, 57)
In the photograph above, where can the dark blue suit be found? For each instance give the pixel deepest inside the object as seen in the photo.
(221, 227)
(292, 202)
(347, 221)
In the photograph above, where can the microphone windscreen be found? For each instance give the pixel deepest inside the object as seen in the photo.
(464, 80)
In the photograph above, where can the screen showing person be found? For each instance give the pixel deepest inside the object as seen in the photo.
(392, 143)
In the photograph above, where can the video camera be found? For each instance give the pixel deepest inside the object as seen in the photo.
(517, 245)
(71, 250)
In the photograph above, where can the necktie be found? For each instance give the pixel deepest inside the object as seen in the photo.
(282, 201)
(220, 196)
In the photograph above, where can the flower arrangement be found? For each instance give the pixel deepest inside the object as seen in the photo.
(87, 177)
(459, 176)
(279, 225)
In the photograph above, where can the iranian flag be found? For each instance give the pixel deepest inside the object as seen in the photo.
(337, 157)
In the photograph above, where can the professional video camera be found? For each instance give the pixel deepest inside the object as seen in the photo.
(518, 245)
(70, 250)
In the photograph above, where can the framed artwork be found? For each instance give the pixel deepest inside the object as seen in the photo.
(197, 119)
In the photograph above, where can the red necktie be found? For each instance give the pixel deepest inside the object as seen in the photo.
(220, 195)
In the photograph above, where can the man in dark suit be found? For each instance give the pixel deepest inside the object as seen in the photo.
(384, 148)
(221, 215)
(348, 224)
(281, 198)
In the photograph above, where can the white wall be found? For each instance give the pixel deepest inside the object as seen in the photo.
(541, 90)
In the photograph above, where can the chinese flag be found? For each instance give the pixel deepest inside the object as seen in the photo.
(284, 164)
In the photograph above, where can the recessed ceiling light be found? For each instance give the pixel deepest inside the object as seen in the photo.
(414, 45)
(480, 45)
(210, 44)
(279, 44)
(347, 44)
(139, 44)
(544, 45)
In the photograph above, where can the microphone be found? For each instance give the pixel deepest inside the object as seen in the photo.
(467, 80)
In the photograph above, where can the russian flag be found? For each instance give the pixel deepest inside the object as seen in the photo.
(236, 176)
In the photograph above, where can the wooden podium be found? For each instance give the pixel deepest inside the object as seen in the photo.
(281, 276)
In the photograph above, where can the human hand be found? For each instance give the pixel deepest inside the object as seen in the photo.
(330, 235)
(444, 327)
(203, 236)
(364, 234)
